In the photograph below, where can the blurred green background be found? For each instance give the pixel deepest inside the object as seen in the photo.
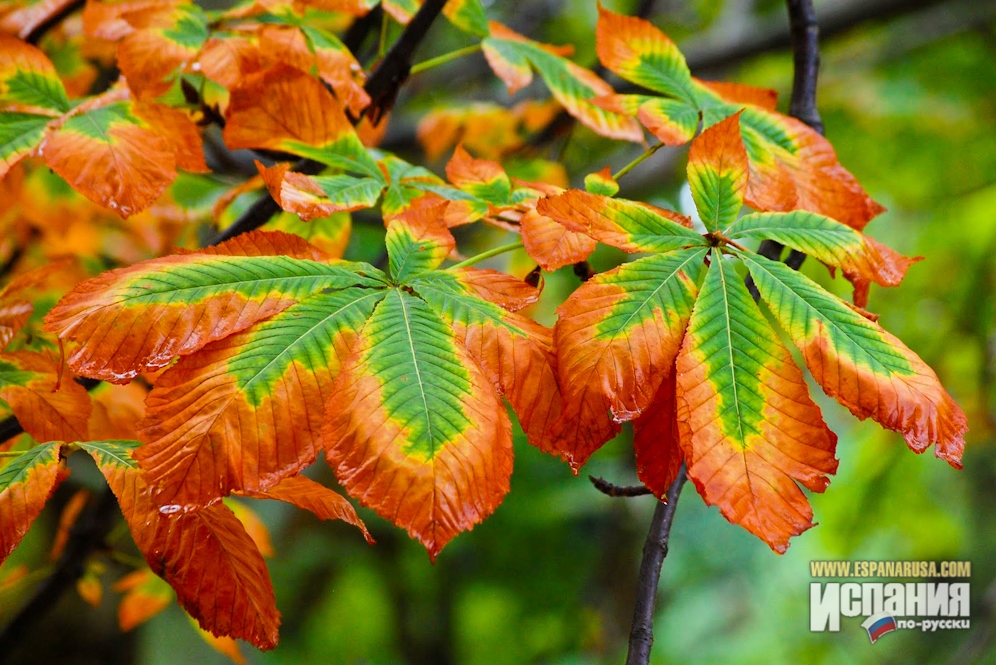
(908, 95)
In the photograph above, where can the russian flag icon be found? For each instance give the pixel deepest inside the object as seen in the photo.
(878, 625)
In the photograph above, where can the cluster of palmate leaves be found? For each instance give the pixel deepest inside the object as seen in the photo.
(266, 351)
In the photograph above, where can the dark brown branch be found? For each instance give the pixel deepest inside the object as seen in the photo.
(641, 634)
(391, 74)
(610, 489)
(805, 33)
(382, 86)
(86, 536)
(55, 19)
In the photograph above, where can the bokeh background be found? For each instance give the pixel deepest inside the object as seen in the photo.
(908, 95)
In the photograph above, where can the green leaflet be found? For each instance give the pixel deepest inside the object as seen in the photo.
(412, 353)
(821, 237)
(115, 452)
(350, 191)
(19, 469)
(467, 15)
(252, 277)
(807, 312)
(451, 299)
(34, 88)
(734, 343)
(304, 335)
(660, 282)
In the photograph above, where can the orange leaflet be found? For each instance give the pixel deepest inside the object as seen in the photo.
(317, 499)
(655, 440)
(45, 412)
(551, 244)
(206, 556)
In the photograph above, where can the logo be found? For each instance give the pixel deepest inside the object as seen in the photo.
(927, 606)
(878, 625)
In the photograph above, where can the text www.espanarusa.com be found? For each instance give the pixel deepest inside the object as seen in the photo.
(890, 569)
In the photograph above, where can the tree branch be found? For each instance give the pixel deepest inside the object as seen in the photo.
(641, 634)
(382, 86)
(611, 489)
(805, 33)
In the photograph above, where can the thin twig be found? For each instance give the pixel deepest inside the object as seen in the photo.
(641, 634)
(610, 489)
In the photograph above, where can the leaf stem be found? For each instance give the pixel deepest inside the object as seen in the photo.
(487, 255)
(382, 44)
(444, 58)
(636, 162)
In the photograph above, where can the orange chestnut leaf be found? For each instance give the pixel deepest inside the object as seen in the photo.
(165, 39)
(317, 499)
(28, 382)
(98, 315)
(656, 443)
(443, 455)
(284, 109)
(629, 225)
(551, 244)
(206, 556)
(616, 339)
(717, 173)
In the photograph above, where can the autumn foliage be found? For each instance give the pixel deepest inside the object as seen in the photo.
(234, 366)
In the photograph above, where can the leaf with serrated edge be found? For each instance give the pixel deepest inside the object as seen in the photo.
(414, 428)
(717, 173)
(640, 53)
(616, 339)
(748, 428)
(514, 351)
(415, 245)
(550, 244)
(26, 482)
(862, 366)
(629, 225)
(244, 412)
(112, 156)
(311, 197)
(512, 56)
(324, 503)
(206, 556)
(28, 80)
(187, 300)
(285, 109)
(829, 241)
(45, 413)
(482, 178)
